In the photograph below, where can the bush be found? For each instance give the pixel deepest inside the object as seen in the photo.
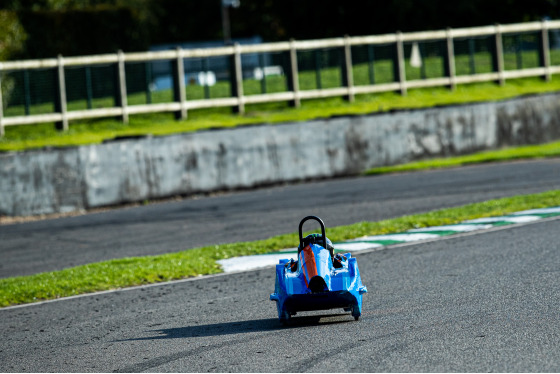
(12, 35)
(74, 32)
(12, 38)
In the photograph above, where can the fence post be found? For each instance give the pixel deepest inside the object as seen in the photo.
(89, 88)
(498, 55)
(293, 78)
(317, 58)
(544, 51)
(27, 91)
(60, 96)
(423, 73)
(123, 100)
(347, 76)
(471, 56)
(1, 106)
(399, 71)
(519, 52)
(450, 59)
(148, 81)
(262, 67)
(206, 69)
(371, 64)
(179, 93)
(237, 81)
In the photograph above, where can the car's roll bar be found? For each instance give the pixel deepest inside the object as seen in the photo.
(315, 218)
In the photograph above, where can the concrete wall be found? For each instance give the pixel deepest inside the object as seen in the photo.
(63, 180)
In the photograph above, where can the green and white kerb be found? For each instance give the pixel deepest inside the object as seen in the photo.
(378, 241)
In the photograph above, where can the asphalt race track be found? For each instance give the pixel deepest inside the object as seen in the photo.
(34, 247)
(473, 303)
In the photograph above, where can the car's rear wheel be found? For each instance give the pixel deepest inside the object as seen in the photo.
(356, 312)
(284, 318)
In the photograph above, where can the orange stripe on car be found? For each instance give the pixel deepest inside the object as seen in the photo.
(310, 264)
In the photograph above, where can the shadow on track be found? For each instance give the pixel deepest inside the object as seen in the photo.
(230, 328)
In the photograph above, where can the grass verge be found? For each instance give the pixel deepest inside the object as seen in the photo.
(95, 131)
(506, 154)
(199, 261)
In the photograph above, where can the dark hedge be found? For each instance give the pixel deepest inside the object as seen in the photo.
(135, 25)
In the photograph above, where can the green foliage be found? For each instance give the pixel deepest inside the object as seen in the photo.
(12, 35)
(12, 39)
(166, 21)
(133, 271)
(83, 31)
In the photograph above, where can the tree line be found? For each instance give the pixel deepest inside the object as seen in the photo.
(46, 28)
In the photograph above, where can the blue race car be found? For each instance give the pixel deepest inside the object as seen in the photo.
(318, 280)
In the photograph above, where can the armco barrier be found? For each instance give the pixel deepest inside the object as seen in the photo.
(63, 180)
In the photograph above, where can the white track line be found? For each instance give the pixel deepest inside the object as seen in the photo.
(404, 237)
(235, 264)
(357, 246)
(457, 228)
(517, 219)
(539, 211)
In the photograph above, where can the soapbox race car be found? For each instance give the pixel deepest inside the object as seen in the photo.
(318, 280)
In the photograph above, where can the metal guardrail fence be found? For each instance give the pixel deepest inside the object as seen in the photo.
(63, 89)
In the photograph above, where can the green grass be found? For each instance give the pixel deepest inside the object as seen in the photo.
(506, 154)
(189, 263)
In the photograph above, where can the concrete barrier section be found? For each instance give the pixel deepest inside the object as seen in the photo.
(63, 180)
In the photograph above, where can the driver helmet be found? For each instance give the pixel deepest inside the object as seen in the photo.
(315, 239)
